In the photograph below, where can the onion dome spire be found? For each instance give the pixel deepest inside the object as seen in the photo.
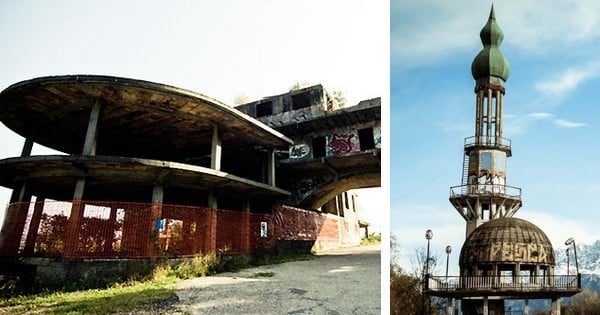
(490, 65)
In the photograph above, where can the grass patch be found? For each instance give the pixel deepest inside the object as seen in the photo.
(119, 298)
(139, 292)
(372, 239)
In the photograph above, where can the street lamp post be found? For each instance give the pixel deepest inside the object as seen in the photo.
(448, 251)
(569, 242)
(568, 263)
(428, 236)
(449, 308)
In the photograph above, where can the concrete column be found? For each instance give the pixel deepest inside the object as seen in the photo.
(110, 232)
(153, 244)
(215, 156)
(34, 225)
(499, 118)
(210, 232)
(27, 147)
(526, 308)
(89, 146)
(478, 117)
(271, 168)
(14, 221)
(555, 309)
(489, 116)
(449, 307)
(212, 199)
(485, 306)
(246, 228)
(75, 218)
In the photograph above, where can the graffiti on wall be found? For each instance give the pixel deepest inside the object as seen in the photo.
(299, 151)
(342, 143)
(307, 186)
(377, 137)
(519, 252)
(487, 171)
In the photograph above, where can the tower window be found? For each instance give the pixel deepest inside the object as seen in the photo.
(301, 100)
(318, 147)
(264, 109)
(366, 139)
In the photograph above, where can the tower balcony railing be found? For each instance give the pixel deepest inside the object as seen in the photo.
(485, 189)
(487, 141)
(499, 283)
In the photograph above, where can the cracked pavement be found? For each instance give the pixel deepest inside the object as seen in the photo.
(341, 281)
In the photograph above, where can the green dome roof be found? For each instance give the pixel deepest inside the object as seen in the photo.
(490, 62)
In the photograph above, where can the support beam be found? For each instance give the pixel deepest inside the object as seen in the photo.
(212, 199)
(555, 309)
(27, 147)
(215, 156)
(153, 245)
(34, 225)
(271, 168)
(89, 146)
(75, 218)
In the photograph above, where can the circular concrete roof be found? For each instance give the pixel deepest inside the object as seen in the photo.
(122, 178)
(138, 118)
(506, 241)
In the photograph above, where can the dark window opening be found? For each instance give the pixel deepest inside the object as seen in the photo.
(301, 100)
(318, 147)
(264, 109)
(366, 139)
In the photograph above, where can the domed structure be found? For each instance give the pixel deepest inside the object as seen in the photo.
(490, 65)
(503, 243)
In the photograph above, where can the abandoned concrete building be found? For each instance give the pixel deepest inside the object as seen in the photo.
(152, 170)
(502, 258)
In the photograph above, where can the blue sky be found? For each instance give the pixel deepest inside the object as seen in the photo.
(223, 49)
(551, 114)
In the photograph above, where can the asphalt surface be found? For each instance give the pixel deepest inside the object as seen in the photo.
(342, 281)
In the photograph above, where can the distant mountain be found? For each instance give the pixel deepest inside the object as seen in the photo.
(588, 258)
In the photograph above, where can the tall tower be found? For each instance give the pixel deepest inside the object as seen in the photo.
(483, 194)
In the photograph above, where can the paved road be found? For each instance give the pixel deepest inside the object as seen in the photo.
(343, 281)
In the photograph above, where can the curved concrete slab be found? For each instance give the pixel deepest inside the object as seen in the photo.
(138, 118)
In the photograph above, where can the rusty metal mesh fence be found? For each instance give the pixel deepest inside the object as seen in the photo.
(100, 229)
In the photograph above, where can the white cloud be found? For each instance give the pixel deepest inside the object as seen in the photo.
(561, 84)
(425, 31)
(559, 228)
(568, 124)
(517, 124)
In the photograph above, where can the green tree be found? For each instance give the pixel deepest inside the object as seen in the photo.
(585, 303)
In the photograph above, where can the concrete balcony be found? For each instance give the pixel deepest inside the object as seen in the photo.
(506, 286)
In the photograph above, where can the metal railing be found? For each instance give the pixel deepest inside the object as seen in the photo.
(485, 189)
(487, 141)
(521, 282)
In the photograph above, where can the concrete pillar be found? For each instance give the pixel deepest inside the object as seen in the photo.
(27, 147)
(246, 232)
(526, 308)
(212, 199)
(14, 221)
(210, 232)
(153, 245)
(489, 116)
(110, 231)
(215, 156)
(485, 306)
(75, 218)
(271, 168)
(89, 146)
(34, 225)
(449, 307)
(478, 108)
(555, 309)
